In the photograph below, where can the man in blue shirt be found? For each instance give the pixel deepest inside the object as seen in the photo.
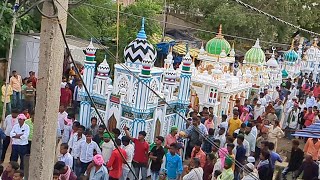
(173, 163)
(240, 155)
(273, 156)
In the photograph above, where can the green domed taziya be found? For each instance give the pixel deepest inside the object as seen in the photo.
(255, 55)
(217, 44)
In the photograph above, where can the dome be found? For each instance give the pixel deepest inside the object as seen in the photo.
(202, 51)
(136, 51)
(291, 55)
(170, 74)
(103, 68)
(217, 44)
(272, 62)
(255, 55)
(284, 73)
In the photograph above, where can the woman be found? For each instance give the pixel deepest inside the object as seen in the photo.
(264, 166)
(208, 167)
(274, 133)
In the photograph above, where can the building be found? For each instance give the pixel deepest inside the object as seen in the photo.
(131, 100)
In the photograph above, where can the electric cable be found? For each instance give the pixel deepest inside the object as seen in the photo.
(187, 27)
(275, 18)
(127, 69)
(86, 89)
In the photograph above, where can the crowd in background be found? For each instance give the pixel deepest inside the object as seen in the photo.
(243, 144)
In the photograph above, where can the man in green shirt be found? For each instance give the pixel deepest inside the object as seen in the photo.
(29, 122)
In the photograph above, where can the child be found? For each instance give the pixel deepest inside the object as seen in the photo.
(18, 175)
(10, 169)
(65, 156)
(26, 113)
(56, 175)
(207, 146)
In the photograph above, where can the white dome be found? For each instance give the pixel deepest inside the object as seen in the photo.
(103, 68)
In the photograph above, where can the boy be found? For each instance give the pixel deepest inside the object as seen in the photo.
(29, 94)
(107, 146)
(18, 175)
(65, 156)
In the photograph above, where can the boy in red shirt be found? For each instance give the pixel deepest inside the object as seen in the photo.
(115, 162)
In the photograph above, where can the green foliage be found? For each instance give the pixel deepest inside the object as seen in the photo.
(24, 24)
(241, 21)
(101, 22)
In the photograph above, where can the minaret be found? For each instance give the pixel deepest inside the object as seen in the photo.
(88, 77)
(142, 93)
(170, 76)
(184, 89)
(102, 78)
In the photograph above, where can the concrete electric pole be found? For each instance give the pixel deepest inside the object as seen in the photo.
(48, 92)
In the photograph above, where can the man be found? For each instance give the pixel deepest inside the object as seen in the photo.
(273, 156)
(193, 134)
(276, 94)
(65, 156)
(7, 99)
(33, 78)
(62, 114)
(29, 96)
(86, 151)
(221, 136)
(301, 104)
(292, 120)
(76, 97)
(19, 134)
(94, 126)
(250, 138)
(262, 99)
(98, 138)
(98, 170)
(115, 163)
(18, 175)
(312, 147)
(239, 106)
(194, 170)
(74, 147)
(173, 163)
(107, 146)
(140, 158)
(129, 148)
(16, 84)
(8, 123)
(310, 169)
(241, 154)
(296, 159)
(234, 123)
(156, 155)
(258, 110)
(227, 173)
(65, 171)
(316, 90)
(267, 96)
(198, 153)
(30, 122)
(310, 100)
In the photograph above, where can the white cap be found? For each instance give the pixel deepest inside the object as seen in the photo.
(259, 102)
(251, 159)
(250, 166)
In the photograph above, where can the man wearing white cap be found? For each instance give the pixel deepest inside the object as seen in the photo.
(249, 172)
(258, 110)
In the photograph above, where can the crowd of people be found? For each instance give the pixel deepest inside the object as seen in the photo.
(240, 145)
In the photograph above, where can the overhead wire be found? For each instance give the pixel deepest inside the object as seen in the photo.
(275, 18)
(55, 16)
(238, 164)
(187, 27)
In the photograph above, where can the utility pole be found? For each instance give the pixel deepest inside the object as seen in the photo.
(48, 92)
(13, 27)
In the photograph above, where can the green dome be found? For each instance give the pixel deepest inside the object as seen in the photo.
(284, 73)
(217, 44)
(255, 55)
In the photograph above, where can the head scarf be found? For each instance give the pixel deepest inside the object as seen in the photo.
(22, 117)
(223, 152)
(98, 160)
(173, 128)
(228, 161)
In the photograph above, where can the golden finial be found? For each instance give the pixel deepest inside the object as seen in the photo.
(292, 44)
(219, 35)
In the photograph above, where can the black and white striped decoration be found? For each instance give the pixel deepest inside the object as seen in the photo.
(137, 50)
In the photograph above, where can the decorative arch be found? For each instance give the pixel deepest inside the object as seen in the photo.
(123, 83)
(157, 129)
(112, 122)
(154, 86)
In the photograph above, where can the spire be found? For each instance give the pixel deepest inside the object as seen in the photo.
(292, 44)
(273, 50)
(202, 51)
(90, 52)
(142, 34)
(232, 52)
(257, 44)
(219, 35)
(315, 42)
(187, 47)
(147, 64)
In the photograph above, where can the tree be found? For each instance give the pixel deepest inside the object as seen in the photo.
(101, 22)
(24, 24)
